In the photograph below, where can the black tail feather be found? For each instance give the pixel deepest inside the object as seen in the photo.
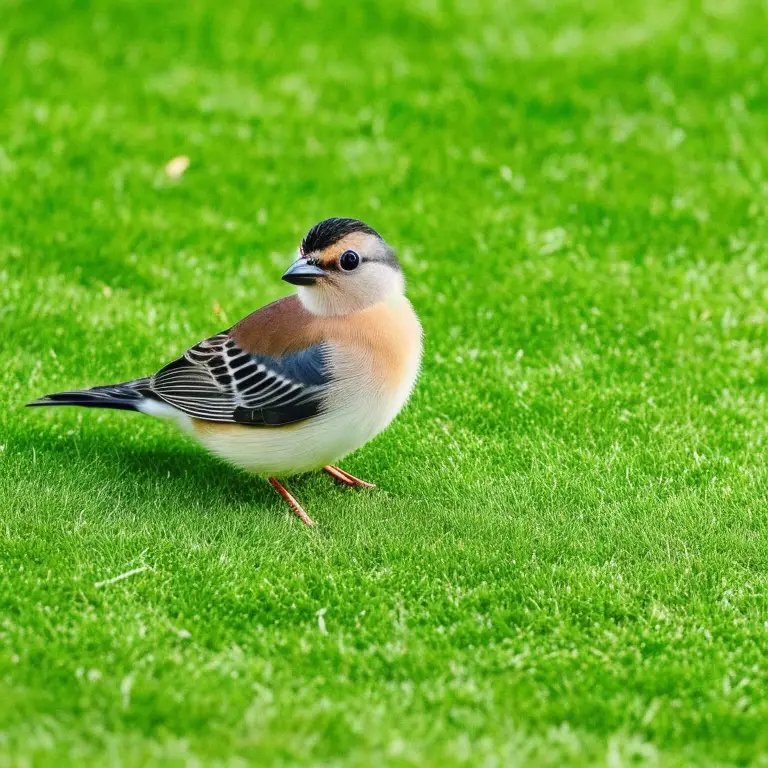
(125, 397)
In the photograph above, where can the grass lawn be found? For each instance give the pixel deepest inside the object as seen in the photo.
(566, 560)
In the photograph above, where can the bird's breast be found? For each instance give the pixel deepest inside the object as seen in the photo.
(375, 361)
(377, 351)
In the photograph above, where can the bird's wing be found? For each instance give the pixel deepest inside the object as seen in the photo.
(218, 380)
(270, 369)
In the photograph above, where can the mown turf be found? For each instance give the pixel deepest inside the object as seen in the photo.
(566, 561)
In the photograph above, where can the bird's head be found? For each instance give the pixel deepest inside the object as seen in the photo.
(344, 266)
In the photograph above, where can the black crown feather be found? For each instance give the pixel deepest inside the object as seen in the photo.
(330, 231)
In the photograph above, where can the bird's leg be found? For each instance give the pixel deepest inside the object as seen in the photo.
(296, 508)
(344, 477)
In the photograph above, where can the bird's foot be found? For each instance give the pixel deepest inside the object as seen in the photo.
(345, 478)
(288, 497)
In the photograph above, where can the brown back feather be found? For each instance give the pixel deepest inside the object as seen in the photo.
(281, 327)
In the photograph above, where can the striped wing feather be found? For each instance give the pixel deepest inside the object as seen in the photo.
(217, 380)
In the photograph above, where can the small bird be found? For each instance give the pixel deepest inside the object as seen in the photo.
(302, 382)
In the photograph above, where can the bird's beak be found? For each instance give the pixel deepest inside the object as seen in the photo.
(301, 272)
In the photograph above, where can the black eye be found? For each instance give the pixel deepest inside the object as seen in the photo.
(349, 260)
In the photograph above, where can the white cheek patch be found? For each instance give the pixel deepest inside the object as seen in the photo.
(370, 284)
(378, 281)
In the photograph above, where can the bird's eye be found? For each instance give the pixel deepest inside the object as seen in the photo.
(349, 260)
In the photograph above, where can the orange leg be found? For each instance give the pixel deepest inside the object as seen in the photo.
(296, 508)
(345, 478)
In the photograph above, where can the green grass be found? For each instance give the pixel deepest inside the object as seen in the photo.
(566, 562)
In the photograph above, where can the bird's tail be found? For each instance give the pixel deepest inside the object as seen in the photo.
(126, 397)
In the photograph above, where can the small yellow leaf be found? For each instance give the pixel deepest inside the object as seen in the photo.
(175, 168)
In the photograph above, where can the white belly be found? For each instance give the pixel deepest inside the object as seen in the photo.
(357, 411)
(296, 448)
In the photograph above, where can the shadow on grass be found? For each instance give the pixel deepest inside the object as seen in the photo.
(180, 471)
(153, 471)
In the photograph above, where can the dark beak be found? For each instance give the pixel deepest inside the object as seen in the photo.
(301, 272)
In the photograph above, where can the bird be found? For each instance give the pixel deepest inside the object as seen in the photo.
(301, 383)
